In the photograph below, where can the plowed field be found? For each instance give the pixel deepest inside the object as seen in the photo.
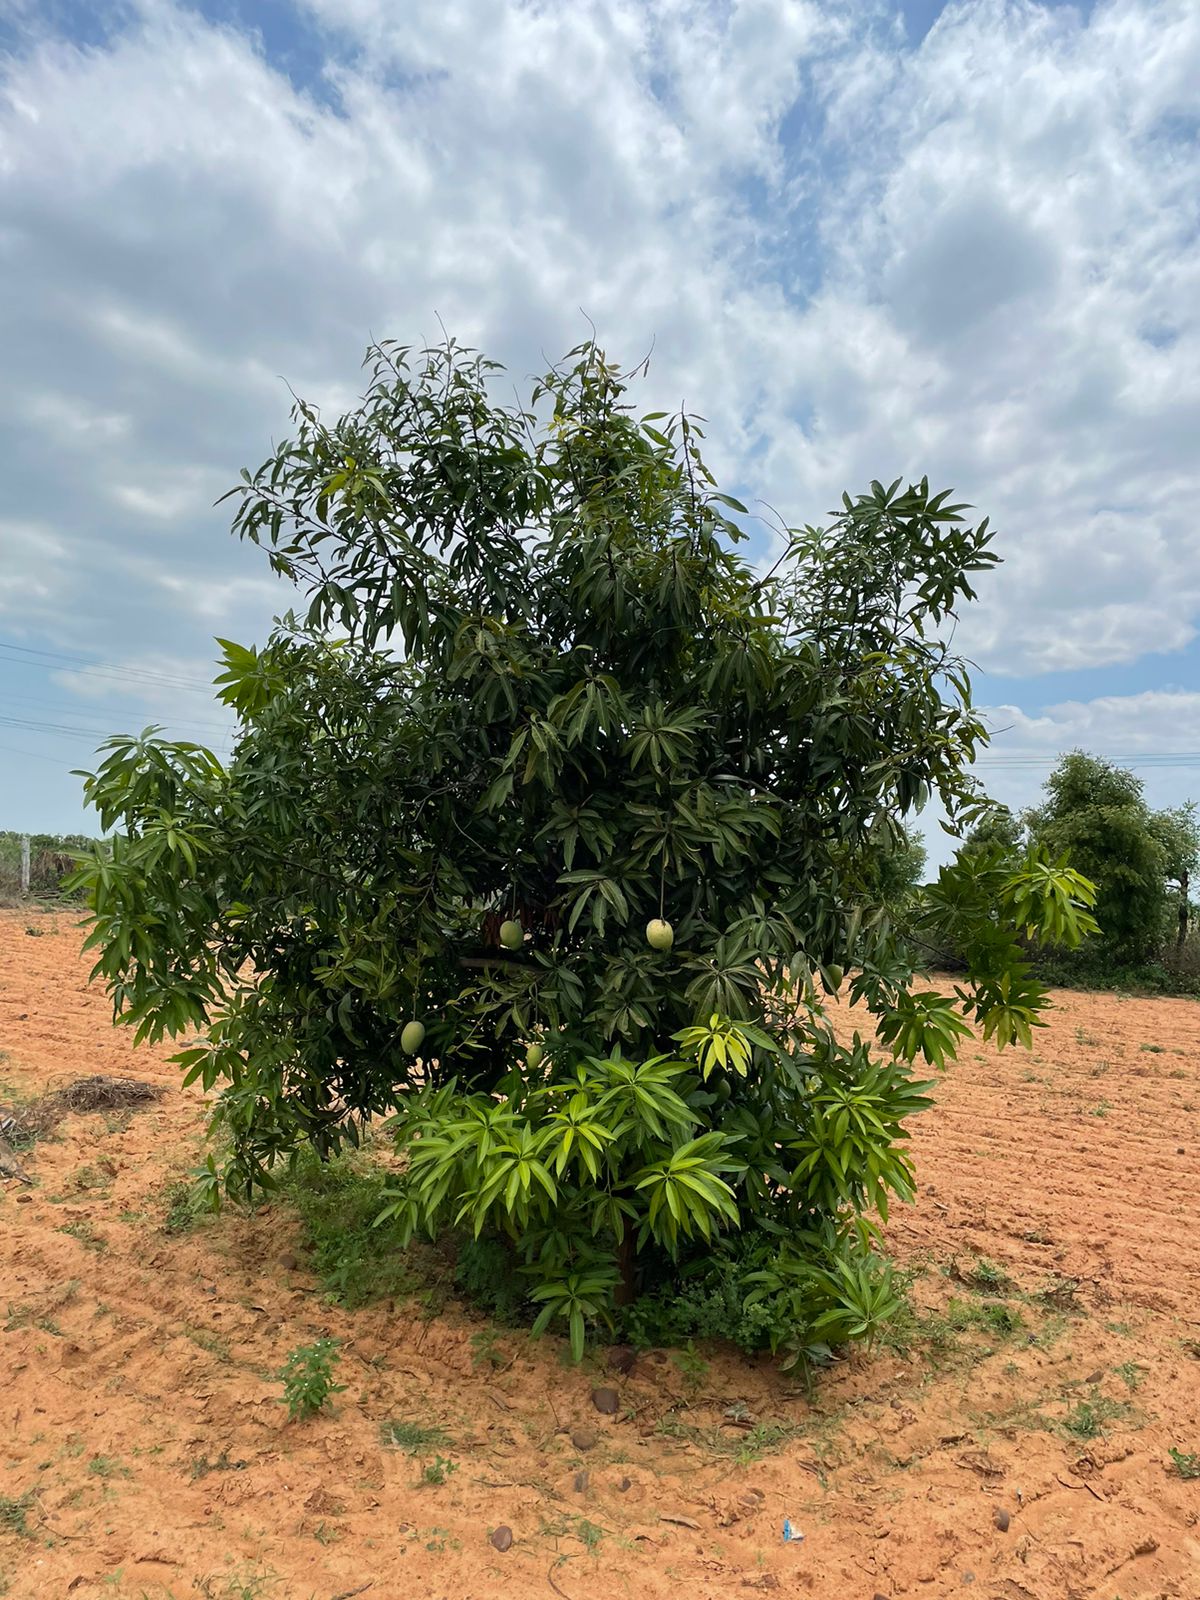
(1014, 1445)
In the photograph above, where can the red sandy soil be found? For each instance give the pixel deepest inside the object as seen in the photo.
(140, 1413)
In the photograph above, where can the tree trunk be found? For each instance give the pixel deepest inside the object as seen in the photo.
(1181, 936)
(626, 1291)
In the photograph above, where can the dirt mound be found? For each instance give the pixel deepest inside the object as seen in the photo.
(1028, 1437)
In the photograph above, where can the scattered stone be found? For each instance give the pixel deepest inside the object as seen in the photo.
(502, 1539)
(1001, 1518)
(24, 1199)
(289, 1260)
(606, 1401)
(584, 1439)
(622, 1358)
(625, 1485)
(681, 1522)
(582, 1479)
(1096, 1376)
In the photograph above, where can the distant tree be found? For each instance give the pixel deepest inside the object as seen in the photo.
(1097, 813)
(997, 830)
(892, 875)
(1178, 831)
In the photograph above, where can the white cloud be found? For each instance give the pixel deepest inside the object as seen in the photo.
(978, 258)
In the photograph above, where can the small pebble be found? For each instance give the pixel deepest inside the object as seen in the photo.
(584, 1439)
(1001, 1518)
(24, 1199)
(502, 1539)
(606, 1401)
(288, 1260)
(622, 1358)
(625, 1484)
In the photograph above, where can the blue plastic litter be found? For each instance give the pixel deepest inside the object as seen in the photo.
(790, 1533)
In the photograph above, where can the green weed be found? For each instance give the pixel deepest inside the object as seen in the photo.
(692, 1366)
(989, 1316)
(485, 1350)
(307, 1377)
(1187, 1463)
(356, 1262)
(202, 1466)
(987, 1275)
(412, 1436)
(1086, 1420)
(183, 1211)
(14, 1514)
(438, 1470)
(86, 1234)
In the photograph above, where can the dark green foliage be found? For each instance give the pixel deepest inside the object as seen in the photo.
(485, 1270)
(339, 1203)
(537, 684)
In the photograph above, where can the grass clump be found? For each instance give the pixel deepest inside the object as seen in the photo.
(183, 1208)
(1186, 1463)
(338, 1202)
(14, 1514)
(86, 1234)
(412, 1436)
(1087, 1419)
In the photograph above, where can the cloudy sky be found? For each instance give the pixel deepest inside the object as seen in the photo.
(866, 241)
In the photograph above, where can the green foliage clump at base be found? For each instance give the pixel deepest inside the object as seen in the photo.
(339, 1202)
(539, 702)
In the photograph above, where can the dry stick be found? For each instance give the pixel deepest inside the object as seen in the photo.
(348, 1594)
(551, 1582)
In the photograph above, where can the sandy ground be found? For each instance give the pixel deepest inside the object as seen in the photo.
(141, 1428)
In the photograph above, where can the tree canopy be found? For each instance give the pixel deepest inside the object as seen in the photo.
(1097, 811)
(539, 705)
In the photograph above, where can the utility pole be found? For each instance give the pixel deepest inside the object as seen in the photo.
(24, 863)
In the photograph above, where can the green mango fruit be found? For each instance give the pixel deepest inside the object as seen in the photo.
(660, 935)
(512, 935)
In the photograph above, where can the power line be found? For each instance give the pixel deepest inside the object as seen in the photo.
(117, 714)
(34, 755)
(103, 669)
